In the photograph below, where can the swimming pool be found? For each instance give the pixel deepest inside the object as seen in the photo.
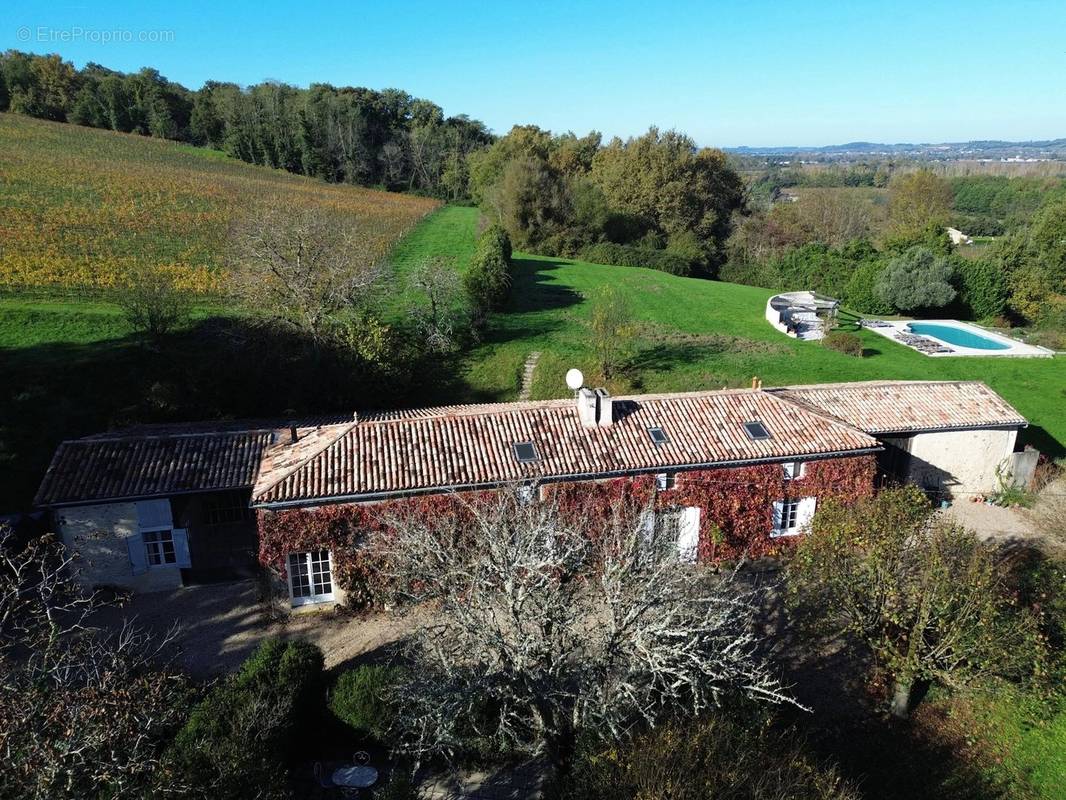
(961, 337)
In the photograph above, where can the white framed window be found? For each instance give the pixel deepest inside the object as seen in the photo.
(526, 494)
(676, 528)
(794, 470)
(159, 548)
(792, 516)
(310, 577)
(665, 480)
(157, 544)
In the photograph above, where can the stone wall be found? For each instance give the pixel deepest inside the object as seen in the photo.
(958, 462)
(98, 535)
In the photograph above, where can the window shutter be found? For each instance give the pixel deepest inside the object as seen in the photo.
(805, 512)
(688, 539)
(138, 558)
(779, 509)
(154, 515)
(181, 547)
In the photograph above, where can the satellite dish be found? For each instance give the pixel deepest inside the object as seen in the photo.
(574, 379)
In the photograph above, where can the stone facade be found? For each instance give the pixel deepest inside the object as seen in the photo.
(955, 462)
(99, 535)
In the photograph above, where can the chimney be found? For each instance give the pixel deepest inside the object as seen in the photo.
(595, 409)
(604, 408)
(586, 407)
(293, 437)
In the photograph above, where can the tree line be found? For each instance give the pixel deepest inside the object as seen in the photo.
(341, 134)
(896, 256)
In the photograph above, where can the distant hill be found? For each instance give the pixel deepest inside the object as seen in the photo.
(1051, 149)
(81, 207)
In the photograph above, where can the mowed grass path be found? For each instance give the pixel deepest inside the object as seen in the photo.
(698, 334)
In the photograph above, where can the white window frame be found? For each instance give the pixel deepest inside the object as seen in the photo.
(684, 522)
(794, 470)
(800, 516)
(155, 545)
(309, 562)
(664, 481)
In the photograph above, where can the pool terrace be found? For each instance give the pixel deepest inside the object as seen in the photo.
(948, 338)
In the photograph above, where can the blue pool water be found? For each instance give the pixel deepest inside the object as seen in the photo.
(957, 336)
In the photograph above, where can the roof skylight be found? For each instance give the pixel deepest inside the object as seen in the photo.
(657, 435)
(756, 431)
(526, 452)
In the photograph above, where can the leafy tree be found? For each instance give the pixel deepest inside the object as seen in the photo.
(440, 308)
(982, 287)
(611, 325)
(153, 304)
(922, 595)
(917, 199)
(860, 292)
(488, 279)
(240, 740)
(1047, 243)
(675, 188)
(917, 279)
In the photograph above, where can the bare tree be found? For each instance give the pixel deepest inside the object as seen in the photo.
(439, 309)
(551, 622)
(304, 266)
(83, 713)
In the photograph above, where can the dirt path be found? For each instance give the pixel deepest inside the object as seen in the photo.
(527, 375)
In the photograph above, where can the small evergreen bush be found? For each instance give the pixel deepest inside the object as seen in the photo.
(488, 280)
(359, 699)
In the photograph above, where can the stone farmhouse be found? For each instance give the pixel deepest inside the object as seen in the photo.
(731, 472)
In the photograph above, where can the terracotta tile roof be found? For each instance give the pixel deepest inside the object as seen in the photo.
(466, 446)
(113, 467)
(880, 407)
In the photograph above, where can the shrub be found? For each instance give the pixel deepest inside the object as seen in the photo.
(844, 342)
(238, 741)
(359, 698)
(152, 304)
(917, 279)
(728, 755)
(488, 280)
(623, 255)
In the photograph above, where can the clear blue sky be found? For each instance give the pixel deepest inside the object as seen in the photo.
(728, 73)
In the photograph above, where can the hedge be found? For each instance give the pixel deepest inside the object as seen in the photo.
(238, 741)
(622, 255)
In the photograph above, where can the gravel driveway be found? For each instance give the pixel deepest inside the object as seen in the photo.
(221, 624)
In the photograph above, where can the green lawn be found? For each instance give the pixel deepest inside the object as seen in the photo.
(73, 368)
(699, 334)
(450, 232)
(1030, 741)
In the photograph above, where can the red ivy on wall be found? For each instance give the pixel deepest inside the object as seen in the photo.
(736, 520)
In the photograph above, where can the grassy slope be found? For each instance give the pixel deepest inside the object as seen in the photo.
(84, 207)
(450, 233)
(700, 334)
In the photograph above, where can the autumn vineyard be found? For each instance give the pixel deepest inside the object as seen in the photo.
(83, 209)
